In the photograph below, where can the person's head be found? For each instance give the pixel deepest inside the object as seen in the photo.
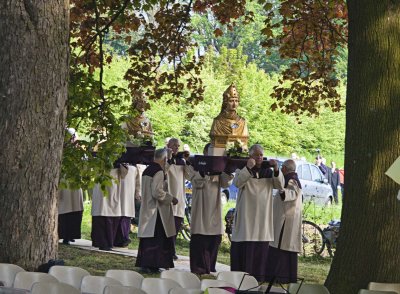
(166, 141)
(174, 145)
(160, 156)
(288, 166)
(333, 164)
(230, 99)
(74, 135)
(186, 147)
(257, 153)
(205, 150)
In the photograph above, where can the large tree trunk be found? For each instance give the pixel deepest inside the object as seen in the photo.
(369, 244)
(33, 92)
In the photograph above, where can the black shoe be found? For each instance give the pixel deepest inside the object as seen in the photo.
(65, 242)
(105, 248)
(126, 243)
(174, 257)
(72, 240)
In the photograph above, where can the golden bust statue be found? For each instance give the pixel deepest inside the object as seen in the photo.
(228, 126)
(139, 127)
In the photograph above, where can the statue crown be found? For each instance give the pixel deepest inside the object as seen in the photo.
(231, 92)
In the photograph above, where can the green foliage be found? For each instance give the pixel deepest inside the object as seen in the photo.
(244, 34)
(280, 134)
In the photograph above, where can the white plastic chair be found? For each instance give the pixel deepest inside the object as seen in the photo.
(25, 280)
(185, 279)
(96, 284)
(209, 283)
(53, 288)
(158, 285)
(395, 287)
(70, 275)
(126, 277)
(307, 288)
(217, 291)
(118, 289)
(365, 291)
(8, 272)
(9, 290)
(242, 279)
(185, 291)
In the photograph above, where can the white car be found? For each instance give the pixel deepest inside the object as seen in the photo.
(314, 184)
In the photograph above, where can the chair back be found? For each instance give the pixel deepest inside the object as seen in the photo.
(70, 275)
(365, 291)
(158, 285)
(384, 286)
(242, 279)
(307, 288)
(96, 284)
(25, 280)
(209, 283)
(118, 289)
(183, 278)
(10, 290)
(53, 288)
(126, 277)
(216, 291)
(185, 291)
(8, 272)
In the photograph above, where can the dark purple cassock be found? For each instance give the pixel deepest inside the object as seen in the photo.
(156, 222)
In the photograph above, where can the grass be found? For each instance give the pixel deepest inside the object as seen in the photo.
(312, 269)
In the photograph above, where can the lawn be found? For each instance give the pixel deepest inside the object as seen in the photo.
(312, 269)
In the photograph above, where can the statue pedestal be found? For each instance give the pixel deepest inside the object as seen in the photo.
(216, 151)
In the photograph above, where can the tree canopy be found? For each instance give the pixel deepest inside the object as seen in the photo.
(161, 41)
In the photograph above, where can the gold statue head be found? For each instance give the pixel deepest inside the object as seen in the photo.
(230, 92)
(139, 102)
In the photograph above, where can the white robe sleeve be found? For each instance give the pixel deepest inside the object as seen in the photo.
(292, 191)
(242, 177)
(279, 181)
(157, 188)
(226, 180)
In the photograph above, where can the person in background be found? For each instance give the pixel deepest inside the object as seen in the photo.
(106, 213)
(287, 205)
(341, 176)
(334, 180)
(129, 189)
(206, 222)
(156, 220)
(177, 172)
(253, 220)
(70, 211)
(323, 168)
(70, 206)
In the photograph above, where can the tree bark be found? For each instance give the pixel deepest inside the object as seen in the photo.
(33, 92)
(368, 246)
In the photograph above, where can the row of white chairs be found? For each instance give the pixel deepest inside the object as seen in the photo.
(15, 277)
(171, 281)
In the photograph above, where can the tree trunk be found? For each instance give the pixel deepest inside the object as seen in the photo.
(33, 92)
(369, 242)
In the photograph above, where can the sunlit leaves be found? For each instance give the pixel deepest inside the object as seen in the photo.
(310, 34)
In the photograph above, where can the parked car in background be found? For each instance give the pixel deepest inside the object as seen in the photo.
(314, 184)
